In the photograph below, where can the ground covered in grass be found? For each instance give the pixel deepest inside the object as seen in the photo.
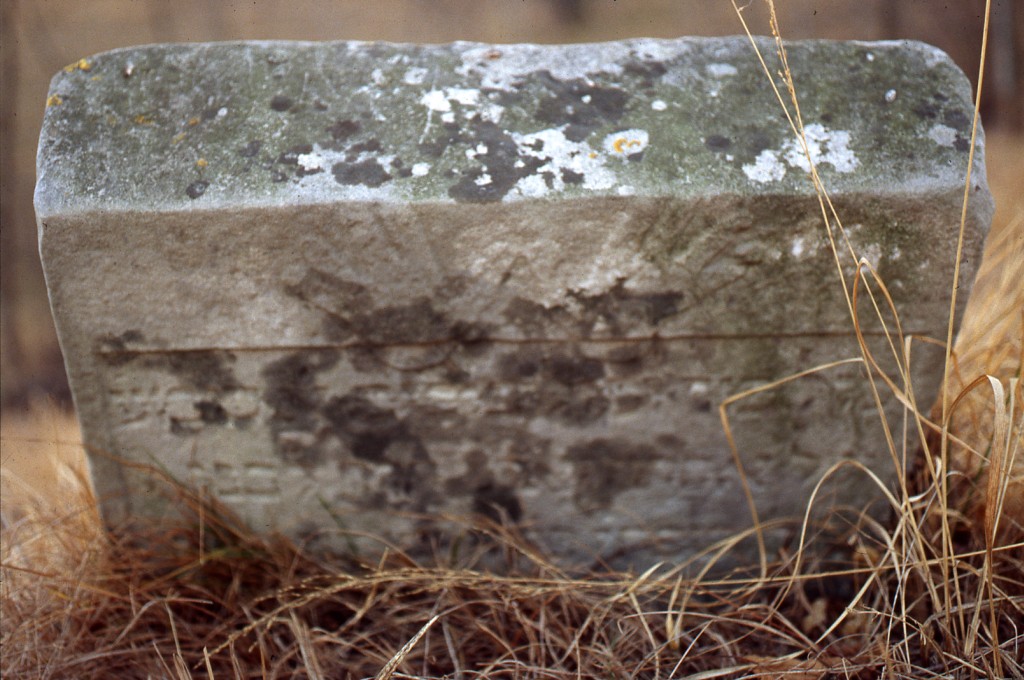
(915, 597)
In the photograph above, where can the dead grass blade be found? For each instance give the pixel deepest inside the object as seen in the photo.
(399, 657)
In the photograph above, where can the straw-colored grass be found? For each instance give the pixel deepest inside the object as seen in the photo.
(936, 591)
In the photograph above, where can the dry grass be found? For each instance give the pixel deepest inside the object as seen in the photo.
(937, 591)
(860, 600)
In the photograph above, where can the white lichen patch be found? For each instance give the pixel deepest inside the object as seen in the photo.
(823, 146)
(766, 168)
(625, 143)
(871, 253)
(721, 70)
(502, 66)
(414, 76)
(311, 161)
(420, 169)
(797, 247)
(717, 73)
(467, 96)
(562, 155)
(943, 135)
(319, 180)
(531, 186)
(659, 105)
(436, 101)
(469, 99)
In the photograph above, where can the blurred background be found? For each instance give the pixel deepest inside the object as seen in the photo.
(39, 37)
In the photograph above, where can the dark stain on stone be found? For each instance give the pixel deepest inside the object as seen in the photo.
(370, 146)
(499, 164)
(365, 427)
(469, 333)
(349, 314)
(518, 366)
(629, 359)
(962, 144)
(571, 176)
(718, 143)
(343, 129)
(251, 149)
(562, 387)
(115, 350)
(624, 311)
(376, 435)
(926, 110)
(956, 119)
(756, 142)
(572, 371)
(368, 173)
(578, 410)
(436, 147)
(647, 70)
(211, 412)
(579, 105)
(280, 102)
(534, 320)
(196, 189)
(497, 502)
(604, 468)
(335, 297)
(206, 370)
(414, 322)
(180, 428)
(291, 391)
(628, 403)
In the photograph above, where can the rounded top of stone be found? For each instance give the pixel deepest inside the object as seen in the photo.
(216, 125)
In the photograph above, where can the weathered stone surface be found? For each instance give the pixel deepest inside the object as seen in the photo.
(341, 282)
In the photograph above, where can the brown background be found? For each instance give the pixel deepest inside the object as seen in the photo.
(40, 37)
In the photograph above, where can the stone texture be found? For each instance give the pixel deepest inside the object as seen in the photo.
(346, 284)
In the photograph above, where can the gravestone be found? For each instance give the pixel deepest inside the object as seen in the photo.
(347, 287)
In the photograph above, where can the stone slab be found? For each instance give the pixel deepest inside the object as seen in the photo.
(358, 284)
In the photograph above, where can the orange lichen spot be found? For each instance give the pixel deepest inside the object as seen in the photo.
(201, 163)
(193, 121)
(80, 65)
(95, 78)
(54, 100)
(177, 138)
(593, 154)
(622, 144)
(143, 119)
